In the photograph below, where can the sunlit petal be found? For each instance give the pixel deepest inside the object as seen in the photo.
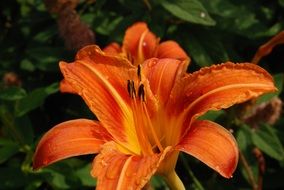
(65, 87)
(101, 80)
(112, 49)
(213, 145)
(140, 43)
(162, 75)
(71, 138)
(171, 49)
(218, 87)
(120, 171)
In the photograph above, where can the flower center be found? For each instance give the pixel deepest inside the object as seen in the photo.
(145, 130)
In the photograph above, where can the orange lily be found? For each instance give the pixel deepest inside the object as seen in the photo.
(139, 44)
(147, 114)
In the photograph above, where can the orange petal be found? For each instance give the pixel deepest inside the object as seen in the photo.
(266, 48)
(213, 145)
(115, 170)
(171, 49)
(101, 80)
(71, 138)
(218, 87)
(112, 49)
(140, 43)
(162, 75)
(65, 87)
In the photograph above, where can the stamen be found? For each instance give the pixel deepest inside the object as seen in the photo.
(156, 139)
(141, 92)
(140, 129)
(139, 72)
(131, 88)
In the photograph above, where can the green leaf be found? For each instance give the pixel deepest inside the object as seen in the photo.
(12, 178)
(279, 82)
(84, 174)
(243, 138)
(24, 126)
(56, 179)
(7, 149)
(212, 115)
(189, 10)
(157, 182)
(246, 146)
(45, 58)
(35, 99)
(106, 22)
(12, 93)
(267, 141)
(27, 65)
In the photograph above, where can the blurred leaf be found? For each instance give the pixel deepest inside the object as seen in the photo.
(198, 52)
(44, 35)
(212, 115)
(205, 48)
(7, 149)
(84, 174)
(27, 65)
(45, 58)
(266, 140)
(246, 146)
(12, 93)
(12, 178)
(158, 182)
(56, 179)
(240, 18)
(279, 82)
(106, 22)
(24, 126)
(281, 2)
(189, 10)
(243, 138)
(35, 99)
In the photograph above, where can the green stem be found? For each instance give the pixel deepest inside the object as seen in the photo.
(194, 179)
(249, 171)
(174, 181)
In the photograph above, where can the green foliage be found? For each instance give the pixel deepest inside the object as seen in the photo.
(189, 10)
(34, 99)
(266, 140)
(211, 31)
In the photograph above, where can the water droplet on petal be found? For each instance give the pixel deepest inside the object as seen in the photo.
(202, 14)
(152, 63)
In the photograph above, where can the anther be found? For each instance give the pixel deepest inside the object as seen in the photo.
(131, 88)
(139, 72)
(141, 92)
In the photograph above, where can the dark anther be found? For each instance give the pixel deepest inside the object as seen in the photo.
(141, 92)
(131, 88)
(139, 72)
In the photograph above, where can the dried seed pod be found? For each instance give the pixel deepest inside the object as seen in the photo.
(268, 112)
(75, 33)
